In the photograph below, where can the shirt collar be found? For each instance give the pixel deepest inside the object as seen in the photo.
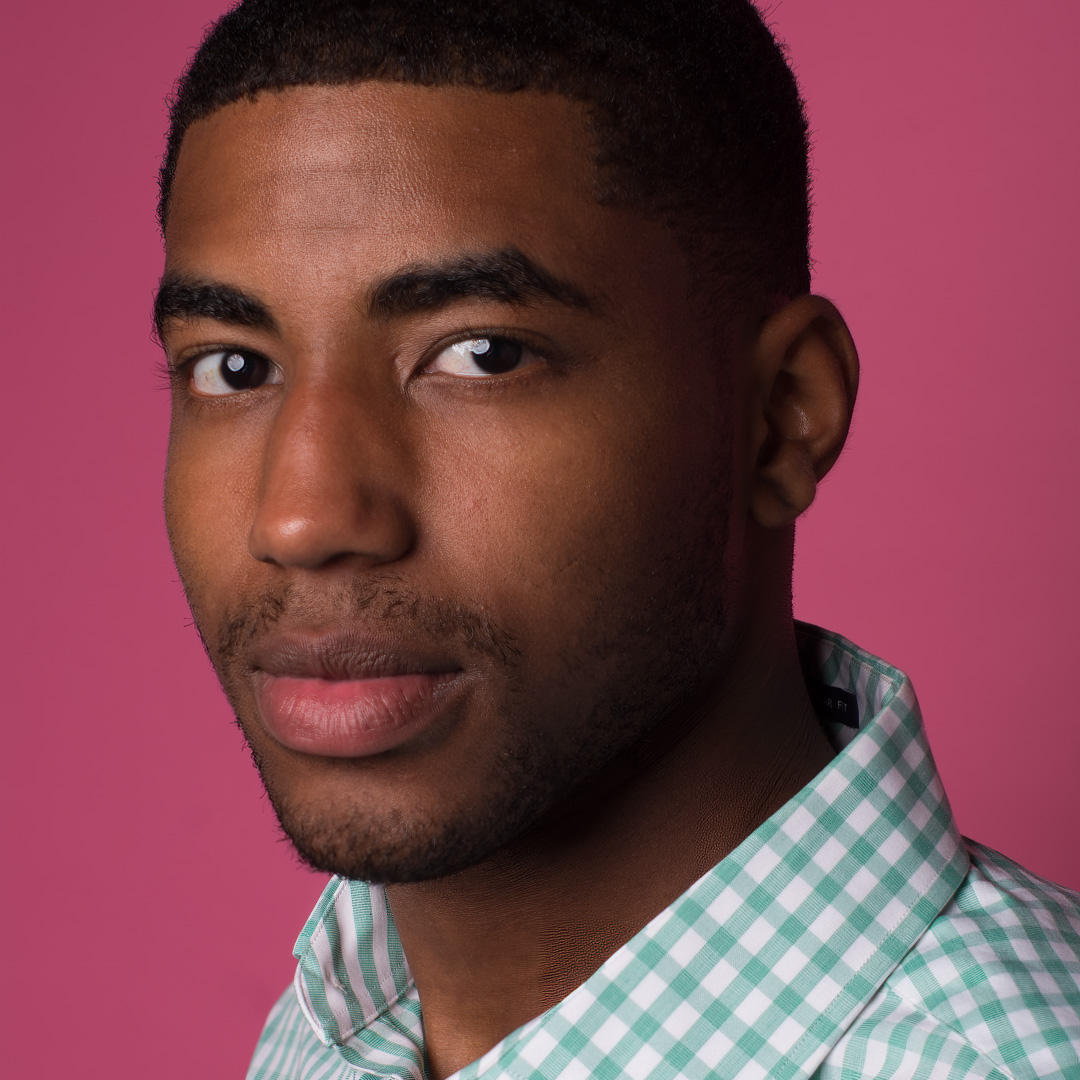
(756, 970)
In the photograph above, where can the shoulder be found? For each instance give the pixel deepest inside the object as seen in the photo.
(991, 989)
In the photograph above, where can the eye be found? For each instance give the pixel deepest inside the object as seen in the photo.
(482, 356)
(230, 371)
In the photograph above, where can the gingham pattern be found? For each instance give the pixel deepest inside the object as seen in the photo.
(851, 935)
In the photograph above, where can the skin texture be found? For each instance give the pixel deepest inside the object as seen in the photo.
(597, 543)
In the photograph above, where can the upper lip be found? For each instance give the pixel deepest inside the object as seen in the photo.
(345, 654)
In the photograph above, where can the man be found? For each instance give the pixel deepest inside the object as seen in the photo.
(498, 390)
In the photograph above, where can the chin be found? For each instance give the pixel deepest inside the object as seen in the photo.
(397, 847)
(351, 828)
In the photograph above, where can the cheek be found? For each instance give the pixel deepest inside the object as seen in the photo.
(211, 481)
(562, 523)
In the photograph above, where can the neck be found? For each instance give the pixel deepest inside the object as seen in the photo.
(496, 945)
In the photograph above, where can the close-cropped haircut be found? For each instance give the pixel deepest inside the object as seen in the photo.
(695, 117)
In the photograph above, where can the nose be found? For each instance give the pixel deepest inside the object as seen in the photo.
(332, 484)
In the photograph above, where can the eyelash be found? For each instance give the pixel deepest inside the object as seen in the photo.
(163, 373)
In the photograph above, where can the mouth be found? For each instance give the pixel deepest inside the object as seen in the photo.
(344, 695)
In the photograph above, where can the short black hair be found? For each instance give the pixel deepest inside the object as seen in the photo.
(695, 115)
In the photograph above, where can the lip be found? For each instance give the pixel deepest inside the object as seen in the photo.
(346, 695)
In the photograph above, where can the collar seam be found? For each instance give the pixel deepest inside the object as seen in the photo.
(366, 1025)
(822, 1017)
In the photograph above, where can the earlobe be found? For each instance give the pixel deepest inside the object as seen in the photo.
(806, 370)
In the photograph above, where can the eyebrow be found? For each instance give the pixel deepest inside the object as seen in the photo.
(507, 276)
(181, 298)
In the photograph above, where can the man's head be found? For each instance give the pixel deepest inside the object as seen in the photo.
(476, 498)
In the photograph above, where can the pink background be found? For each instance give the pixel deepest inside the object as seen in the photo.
(150, 907)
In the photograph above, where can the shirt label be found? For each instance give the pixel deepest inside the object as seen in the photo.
(832, 703)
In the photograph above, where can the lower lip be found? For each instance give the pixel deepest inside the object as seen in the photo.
(348, 717)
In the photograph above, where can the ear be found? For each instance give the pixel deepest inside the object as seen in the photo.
(807, 372)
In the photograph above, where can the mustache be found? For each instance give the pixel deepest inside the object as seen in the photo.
(377, 607)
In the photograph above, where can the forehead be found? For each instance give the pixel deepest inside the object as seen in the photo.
(386, 163)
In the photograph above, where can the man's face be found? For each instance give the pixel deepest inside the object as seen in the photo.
(453, 480)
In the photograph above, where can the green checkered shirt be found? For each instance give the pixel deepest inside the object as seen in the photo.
(854, 934)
